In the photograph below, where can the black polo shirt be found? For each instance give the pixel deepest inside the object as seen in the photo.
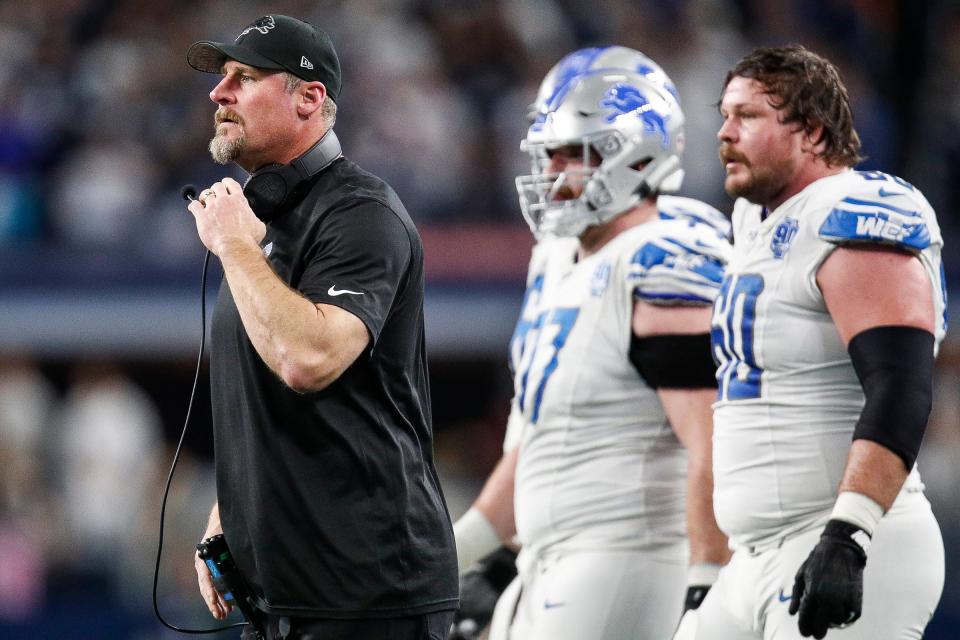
(330, 501)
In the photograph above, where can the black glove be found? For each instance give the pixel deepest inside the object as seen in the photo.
(480, 587)
(828, 589)
(695, 596)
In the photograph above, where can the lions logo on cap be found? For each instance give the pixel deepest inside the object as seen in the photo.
(263, 25)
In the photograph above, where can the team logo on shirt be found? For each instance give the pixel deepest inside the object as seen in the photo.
(600, 280)
(333, 291)
(782, 237)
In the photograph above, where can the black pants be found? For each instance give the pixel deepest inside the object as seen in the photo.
(429, 626)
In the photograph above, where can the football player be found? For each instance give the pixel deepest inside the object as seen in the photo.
(607, 456)
(825, 328)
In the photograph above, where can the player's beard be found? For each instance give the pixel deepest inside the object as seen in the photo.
(224, 150)
(764, 180)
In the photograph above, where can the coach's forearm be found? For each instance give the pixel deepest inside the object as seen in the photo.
(213, 522)
(306, 346)
(277, 319)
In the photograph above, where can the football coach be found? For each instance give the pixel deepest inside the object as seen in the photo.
(327, 492)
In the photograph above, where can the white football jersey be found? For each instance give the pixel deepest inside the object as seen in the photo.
(789, 398)
(598, 456)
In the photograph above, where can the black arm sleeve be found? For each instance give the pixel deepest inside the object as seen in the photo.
(895, 368)
(680, 361)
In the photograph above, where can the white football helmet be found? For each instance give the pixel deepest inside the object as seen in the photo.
(634, 125)
(613, 57)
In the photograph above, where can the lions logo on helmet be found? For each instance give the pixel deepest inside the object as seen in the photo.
(633, 124)
(626, 100)
(609, 58)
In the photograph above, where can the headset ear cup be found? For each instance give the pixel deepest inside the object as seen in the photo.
(272, 189)
(268, 188)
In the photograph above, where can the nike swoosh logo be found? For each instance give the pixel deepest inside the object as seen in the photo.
(782, 597)
(552, 605)
(333, 291)
(886, 194)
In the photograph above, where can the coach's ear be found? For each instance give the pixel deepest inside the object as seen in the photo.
(310, 98)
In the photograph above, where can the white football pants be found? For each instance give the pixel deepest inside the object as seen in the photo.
(595, 595)
(902, 583)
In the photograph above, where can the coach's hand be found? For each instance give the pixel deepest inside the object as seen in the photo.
(480, 588)
(219, 608)
(828, 589)
(224, 216)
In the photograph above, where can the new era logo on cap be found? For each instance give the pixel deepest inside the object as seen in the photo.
(275, 42)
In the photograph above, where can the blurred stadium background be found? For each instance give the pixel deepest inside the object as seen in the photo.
(102, 122)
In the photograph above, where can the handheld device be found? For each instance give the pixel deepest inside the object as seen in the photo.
(227, 578)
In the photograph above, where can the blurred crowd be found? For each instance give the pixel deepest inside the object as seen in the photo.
(102, 122)
(83, 457)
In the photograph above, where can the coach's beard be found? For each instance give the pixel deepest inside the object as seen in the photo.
(225, 151)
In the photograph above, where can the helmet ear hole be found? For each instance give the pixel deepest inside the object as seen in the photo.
(597, 195)
(608, 145)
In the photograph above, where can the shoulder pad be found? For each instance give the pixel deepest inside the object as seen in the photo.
(873, 220)
(694, 211)
(679, 269)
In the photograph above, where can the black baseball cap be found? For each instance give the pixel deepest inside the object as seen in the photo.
(275, 42)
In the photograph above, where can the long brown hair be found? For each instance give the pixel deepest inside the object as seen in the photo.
(808, 90)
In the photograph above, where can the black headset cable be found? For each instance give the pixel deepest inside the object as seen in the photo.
(187, 193)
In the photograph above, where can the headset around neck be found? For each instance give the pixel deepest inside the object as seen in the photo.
(271, 189)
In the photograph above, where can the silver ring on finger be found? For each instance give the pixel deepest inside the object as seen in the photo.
(206, 193)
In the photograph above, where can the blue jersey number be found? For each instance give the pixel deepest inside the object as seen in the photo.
(563, 319)
(732, 336)
(529, 320)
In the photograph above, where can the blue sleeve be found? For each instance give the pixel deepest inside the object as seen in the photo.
(871, 221)
(672, 271)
